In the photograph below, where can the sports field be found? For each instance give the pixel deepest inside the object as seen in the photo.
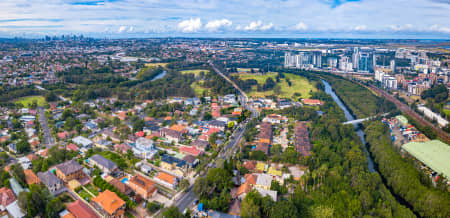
(26, 101)
(299, 85)
(195, 72)
(156, 64)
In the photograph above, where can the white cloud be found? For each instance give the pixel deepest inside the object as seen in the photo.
(405, 27)
(168, 17)
(258, 25)
(267, 27)
(301, 26)
(437, 28)
(360, 28)
(122, 29)
(191, 25)
(218, 24)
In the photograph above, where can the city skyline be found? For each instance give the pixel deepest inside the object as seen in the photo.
(421, 19)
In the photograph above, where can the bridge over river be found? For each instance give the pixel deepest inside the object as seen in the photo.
(364, 119)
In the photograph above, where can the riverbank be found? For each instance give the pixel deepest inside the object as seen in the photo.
(373, 168)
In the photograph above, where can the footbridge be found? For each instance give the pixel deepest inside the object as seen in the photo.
(364, 119)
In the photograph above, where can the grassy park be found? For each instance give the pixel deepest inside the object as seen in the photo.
(196, 72)
(156, 64)
(299, 85)
(27, 101)
(198, 88)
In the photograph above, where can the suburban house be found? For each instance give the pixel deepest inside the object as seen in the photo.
(217, 124)
(264, 181)
(144, 148)
(6, 198)
(191, 150)
(122, 148)
(108, 133)
(167, 180)
(53, 183)
(80, 210)
(171, 135)
(82, 141)
(173, 164)
(265, 137)
(103, 164)
(191, 161)
(142, 186)
(275, 119)
(103, 144)
(69, 170)
(122, 187)
(30, 177)
(109, 204)
(200, 144)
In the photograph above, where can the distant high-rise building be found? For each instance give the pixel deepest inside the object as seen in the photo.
(355, 58)
(289, 60)
(364, 64)
(374, 60)
(332, 62)
(345, 64)
(303, 60)
(392, 65)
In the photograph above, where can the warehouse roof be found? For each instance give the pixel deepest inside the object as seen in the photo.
(433, 153)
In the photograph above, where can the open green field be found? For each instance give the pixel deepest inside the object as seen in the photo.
(26, 101)
(198, 89)
(156, 64)
(447, 112)
(195, 72)
(299, 85)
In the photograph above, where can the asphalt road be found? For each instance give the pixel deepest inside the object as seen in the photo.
(229, 150)
(48, 139)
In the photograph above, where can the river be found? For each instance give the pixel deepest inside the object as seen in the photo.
(370, 164)
(329, 90)
(159, 76)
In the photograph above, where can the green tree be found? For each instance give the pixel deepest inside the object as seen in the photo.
(18, 173)
(284, 209)
(23, 146)
(184, 184)
(207, 116)
(153, 206)
(138, 125)
(201, 187)
(172, 212)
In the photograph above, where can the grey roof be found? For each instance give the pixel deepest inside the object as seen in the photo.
(48, 178)
(200, 143)
(217, 123)
(69, 167)
(104, 162)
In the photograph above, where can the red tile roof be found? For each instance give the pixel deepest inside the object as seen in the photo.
(312, 101)
(190, 150)
(140, 134)
(81, 210)
(72, 147)
(109, 201)
(6, 196)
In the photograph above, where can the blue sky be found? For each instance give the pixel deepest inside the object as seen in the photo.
(227, 18)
